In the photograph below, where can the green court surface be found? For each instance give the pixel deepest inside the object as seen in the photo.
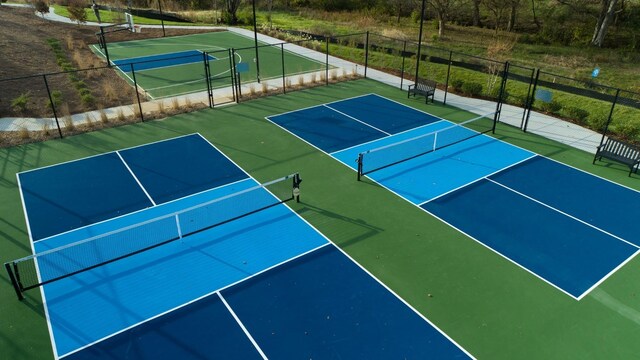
(493, 309)
(171, 80)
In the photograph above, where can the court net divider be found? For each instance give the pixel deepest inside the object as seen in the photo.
(388, 155)
(61, 262)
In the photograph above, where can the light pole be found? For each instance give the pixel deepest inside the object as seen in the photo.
(420, 39)
(255, 38)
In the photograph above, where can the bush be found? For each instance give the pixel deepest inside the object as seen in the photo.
(457, 84)
(19, 104)
(576, 113)
(41, 7)
(518, 100)
(598, 120)
(471, 88)
(628, 128)
(551, 107)
(87, 99)
(56, 98)
(77, 11)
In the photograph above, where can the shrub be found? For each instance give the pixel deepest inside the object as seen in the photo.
(471, 88)
(518, 100)
(41, 7)
(56, 98)
(598, 120)
(20, 103)
(456, 84)
(77, 11)
(576, 113)
(551, 107)
(628, 128)
(87, 99)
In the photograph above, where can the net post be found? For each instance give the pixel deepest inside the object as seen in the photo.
(326, 68)
(232, 69)
(284, 76)
(606, 127)
(404, 51)
(14, 281)
(296, 186)
(359, 166)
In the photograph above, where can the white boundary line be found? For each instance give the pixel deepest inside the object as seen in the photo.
(244, 329)
(399, 133)
(354, 118)
(136, 179)
(104, 153)
(42, 294)
(476, 180)
(563, 213)
(613, 271)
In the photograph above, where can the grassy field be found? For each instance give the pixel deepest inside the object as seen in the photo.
(491, 307)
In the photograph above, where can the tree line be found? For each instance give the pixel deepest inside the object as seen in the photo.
(609, 23)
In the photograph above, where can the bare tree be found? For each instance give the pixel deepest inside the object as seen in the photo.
(498, 8)
(476, 13)
(231, 8)
(513, 12)
(442, 8)
(605, 17)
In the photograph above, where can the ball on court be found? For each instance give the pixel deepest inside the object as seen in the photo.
(254, 59)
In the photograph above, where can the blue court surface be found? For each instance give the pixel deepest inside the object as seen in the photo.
(265, 285)
(567, 227)
(161, 60)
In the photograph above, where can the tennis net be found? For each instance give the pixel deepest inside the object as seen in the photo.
(388, 155)
(61, 262)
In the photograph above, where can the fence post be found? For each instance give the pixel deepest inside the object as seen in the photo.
(284, 80)
(231, 70)
(606, 127)
(135, 87)
(446, 86)
(530, 101)
(326, 70)
(503, 85)
(366, 55)
(207, 76)
(404, 51)
(524, 113)
(236, 77)
(53, 106)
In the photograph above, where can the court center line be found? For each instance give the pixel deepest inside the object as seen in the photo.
(246, 332)
(136, 178)
(396, 134)
(563, 213)
(360, 121)
(476, 180)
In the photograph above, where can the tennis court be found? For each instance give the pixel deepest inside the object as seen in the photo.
(554, 221)
(174, 66)
(170, 249)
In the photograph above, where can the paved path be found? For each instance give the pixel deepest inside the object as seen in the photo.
(540, 124)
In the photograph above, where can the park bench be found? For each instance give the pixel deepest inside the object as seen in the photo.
(423, 87)
(621, 152)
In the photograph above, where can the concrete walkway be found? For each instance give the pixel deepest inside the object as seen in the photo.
(541, 124)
